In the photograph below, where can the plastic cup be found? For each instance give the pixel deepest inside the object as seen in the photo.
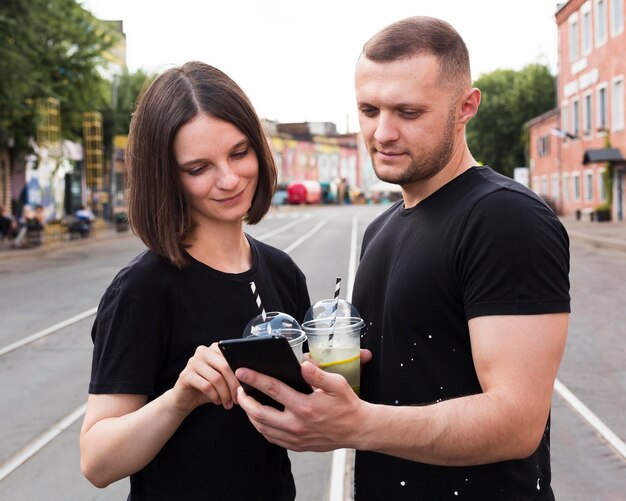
(277, 323)
(336, 348)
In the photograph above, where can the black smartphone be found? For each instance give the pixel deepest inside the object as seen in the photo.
(269, 355)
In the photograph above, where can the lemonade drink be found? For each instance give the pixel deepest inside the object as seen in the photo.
(344, 361)
(336, 346)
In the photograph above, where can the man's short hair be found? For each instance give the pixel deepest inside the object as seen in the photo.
(423, 35)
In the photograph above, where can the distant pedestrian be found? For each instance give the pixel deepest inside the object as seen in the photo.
(162, 404)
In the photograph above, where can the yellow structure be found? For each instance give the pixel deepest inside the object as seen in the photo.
(94, 161)
(48, 131)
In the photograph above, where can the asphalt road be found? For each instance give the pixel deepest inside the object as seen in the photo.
(43, 384)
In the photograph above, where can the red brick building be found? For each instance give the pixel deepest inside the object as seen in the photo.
(571, 145)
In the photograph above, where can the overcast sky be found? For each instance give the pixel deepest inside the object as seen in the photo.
(295, 59)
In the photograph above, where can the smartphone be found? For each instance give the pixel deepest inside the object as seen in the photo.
(270, 355)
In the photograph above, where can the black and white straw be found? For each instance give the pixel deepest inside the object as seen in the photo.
(257, 299)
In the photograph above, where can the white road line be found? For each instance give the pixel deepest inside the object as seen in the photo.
(282, 228)
(338, 469)
(591, 418)
(50, 330)
(39, 442)
(306, 236)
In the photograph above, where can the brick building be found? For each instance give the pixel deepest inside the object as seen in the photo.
(577, 150)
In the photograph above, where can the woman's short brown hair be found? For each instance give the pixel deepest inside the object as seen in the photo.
(158, 209)
(423, 35)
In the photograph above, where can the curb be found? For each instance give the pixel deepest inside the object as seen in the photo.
(45, 248)
(598, 241)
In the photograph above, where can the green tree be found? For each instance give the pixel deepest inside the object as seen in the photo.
(49, 48)
(127, 88)
(496, 135)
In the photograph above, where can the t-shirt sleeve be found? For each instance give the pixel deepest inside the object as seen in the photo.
(513, 258)
(128, 335)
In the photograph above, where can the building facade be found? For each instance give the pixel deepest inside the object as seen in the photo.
(577, 151)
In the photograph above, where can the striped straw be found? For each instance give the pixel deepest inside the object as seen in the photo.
(333, 317)
(257, 299)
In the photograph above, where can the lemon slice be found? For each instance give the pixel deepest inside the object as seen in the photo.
(338, 362)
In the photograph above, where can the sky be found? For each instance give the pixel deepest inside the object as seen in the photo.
(295, 60)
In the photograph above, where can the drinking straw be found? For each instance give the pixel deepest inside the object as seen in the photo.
(257, 299)
(333, 317)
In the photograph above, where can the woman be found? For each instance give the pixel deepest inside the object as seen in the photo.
(161, 404)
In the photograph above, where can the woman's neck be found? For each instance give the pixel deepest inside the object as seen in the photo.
(224, 248)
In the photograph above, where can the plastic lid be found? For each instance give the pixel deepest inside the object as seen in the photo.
(272, 324)
(324, 309)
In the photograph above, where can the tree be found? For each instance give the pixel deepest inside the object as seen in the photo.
(496, 135)
(49, 48)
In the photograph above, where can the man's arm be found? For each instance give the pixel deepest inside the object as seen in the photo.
(516, 359)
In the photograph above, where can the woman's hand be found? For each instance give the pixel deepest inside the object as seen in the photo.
(206, 378)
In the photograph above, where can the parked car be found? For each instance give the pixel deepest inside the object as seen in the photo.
(304, 192)
(280, 195)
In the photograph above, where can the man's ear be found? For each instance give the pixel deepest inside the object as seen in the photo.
(470, 101)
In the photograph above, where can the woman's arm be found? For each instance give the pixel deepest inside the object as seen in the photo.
(122, 433)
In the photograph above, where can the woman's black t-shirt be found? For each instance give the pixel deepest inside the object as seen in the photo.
(149, 323)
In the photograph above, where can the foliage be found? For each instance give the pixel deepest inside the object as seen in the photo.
(127, 89)
(49, 48)
(496, 135)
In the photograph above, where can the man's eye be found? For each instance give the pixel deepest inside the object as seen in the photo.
(368, 112)
(409, 113)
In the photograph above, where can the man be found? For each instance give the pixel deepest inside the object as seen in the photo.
(464, 287)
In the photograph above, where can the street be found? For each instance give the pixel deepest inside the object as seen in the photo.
(44, 382)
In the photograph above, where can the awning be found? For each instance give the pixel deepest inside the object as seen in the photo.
(603, 155)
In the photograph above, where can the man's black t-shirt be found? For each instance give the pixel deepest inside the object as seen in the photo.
(481, 245)
(149, 323)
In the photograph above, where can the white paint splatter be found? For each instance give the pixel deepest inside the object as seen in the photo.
(538, 486)
(401, 365)
(429, 336)
(403, 483)
(396, 402)
(456, 493)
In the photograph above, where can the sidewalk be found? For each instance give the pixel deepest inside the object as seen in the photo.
(608, 235)
(105, 232)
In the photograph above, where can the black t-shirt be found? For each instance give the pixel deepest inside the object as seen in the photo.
(481, 245)
(149, 323)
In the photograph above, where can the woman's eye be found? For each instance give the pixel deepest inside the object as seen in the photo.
(196, 171)
(240, 153)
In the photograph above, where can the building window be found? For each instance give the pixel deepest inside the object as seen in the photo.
(573, 38)
(600, 22)
(617, 17)
(566, 187)
(535, 184)
(601, 108)
(601, 185)
(543, 146)
(586, 28)
(576, 180)
(588, 185)
(543, 191)
(575, 117)
(617, 104)
(565, 116)
(555, 193)
(587, 114)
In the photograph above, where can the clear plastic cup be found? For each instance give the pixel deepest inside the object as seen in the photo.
(277, 323)
(336, 346)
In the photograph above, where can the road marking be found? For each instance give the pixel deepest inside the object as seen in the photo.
(39, 442)
(306, 236)
(338, 468)
(50, 330)
(282, 228)
(591, 418)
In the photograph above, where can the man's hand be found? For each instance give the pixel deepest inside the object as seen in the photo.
(322, 421)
